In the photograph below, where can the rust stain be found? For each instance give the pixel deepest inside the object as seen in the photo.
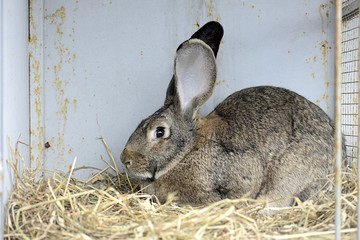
(219, 82)
(33, 37)
(36, 125)
(325, 97)
(38, 88)
(75, 103)
(210, 7)
(324, 49)
(324, 11)
(64, 109)
(324, 45)
(71, 58)
(65, 57)
(58, 19)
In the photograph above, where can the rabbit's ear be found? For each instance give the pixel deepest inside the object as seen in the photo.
(211, 33)
(194, 76)
(170, 93)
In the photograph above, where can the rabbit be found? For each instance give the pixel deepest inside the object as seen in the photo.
(263, 142)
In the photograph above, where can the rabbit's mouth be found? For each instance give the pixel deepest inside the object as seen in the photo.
(148, 175)
(153, 172)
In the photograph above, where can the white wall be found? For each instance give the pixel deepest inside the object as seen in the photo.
(14, 90)
(99, 67)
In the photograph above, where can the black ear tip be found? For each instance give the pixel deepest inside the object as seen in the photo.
(211, 33)
(215, 26)
(210, 29)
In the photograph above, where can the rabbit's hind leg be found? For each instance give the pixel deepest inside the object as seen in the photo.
(295, 173)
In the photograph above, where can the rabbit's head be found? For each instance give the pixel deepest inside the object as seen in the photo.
(164, 138)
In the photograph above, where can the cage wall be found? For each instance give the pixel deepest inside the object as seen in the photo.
(350, 82)
(350, 88)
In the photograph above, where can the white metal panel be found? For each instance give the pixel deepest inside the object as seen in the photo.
(14, 90)
(106, 64)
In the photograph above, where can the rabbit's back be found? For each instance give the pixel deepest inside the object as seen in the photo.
(258, 116)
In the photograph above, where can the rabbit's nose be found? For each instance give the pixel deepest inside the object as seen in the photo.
(126, 157)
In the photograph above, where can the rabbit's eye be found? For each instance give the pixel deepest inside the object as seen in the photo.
(160, 132)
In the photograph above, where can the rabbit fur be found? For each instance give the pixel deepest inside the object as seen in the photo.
(263, 142)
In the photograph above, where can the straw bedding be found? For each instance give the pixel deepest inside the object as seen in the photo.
(109, 206)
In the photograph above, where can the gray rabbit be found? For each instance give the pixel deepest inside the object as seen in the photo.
(264, 142)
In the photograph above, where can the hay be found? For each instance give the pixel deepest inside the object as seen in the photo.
(110, 207)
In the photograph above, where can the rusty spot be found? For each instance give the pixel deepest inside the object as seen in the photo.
(47, 145)
(221, 82)
(75, 103)
(218, 82)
